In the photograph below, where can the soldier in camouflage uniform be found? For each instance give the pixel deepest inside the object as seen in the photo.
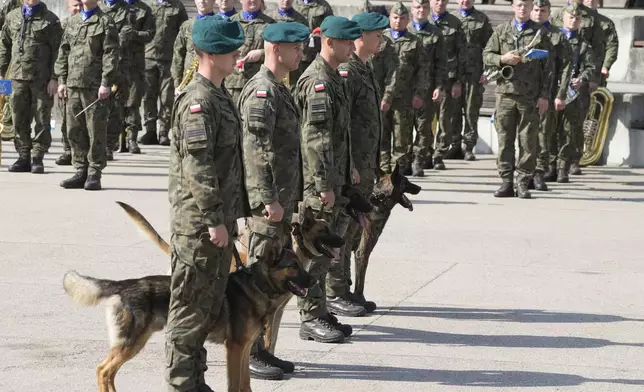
(434, 45)
(580, 72)
(169, 15)
(327, 164)
(413, 69)
(226, 8)
(456, 64)
(592, 32)
(135, 26)
(271, 123)
(7, 132)
(85, 74)
(366, 129)
(31, 58)
(73, 7)
(517, 98)
(253, 21)
(286, 13)
(611, 40)
(207, 195)
(314, 11)
(546, 167)
(477, 29)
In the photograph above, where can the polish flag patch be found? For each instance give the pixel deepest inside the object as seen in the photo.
(344, 74)
(195, 108)
(319, 87)
(261, 93)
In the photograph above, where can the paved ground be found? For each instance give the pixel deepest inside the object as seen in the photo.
(475, 293)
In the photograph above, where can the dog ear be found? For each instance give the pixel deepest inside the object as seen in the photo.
(308, 219)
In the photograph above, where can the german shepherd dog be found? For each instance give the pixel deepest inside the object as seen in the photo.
(137, 308)
(389, 191)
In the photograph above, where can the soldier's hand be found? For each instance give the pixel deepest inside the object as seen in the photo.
(384, 106)
(605, 72)
(218, 235)
(177, 92)
(103, 92)
(355, 176)
(417, 102)
(327, 198)
(575, 83)
(436, 95)
(275, 211)
(483, 79)
(559, 104)
(511, 58)
(52, 87)
(543, 104)
(457, 89)
(62, 91)
(253, 56)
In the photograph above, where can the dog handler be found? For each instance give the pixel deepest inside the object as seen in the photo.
(207, 196)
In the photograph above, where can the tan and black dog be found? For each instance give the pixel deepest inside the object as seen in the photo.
(137, 308)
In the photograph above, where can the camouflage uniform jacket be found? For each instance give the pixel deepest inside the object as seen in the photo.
(30, 46)
(366, 122)
(253, 40)
(478, 30)
(385, 66)
(184, 52)
(591, 32)
(582, 63)
(434, 45)
(6, 7)
(455, 46)
(326, 140)
(532, 78)
(611, 40)
(168, 17)
(412, 74)
(560, 57)
(271, 141)
(206, 172)
(314, 12)
(89, 52)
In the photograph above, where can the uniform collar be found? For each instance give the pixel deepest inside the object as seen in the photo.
(439, 16)
(307, 2)
(88, 14)
(227, 14)
(466, 13)
(569, 34)
(419, 25)
(200, 16)
(546, 24)
(520, 26)
(130, 2)
(395, 34)
(30, 11)
(248, 16)
(110, 3)
(287, 12)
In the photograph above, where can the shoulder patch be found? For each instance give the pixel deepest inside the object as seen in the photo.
(319, 87)
(195, 108)
(344, 74)
(261, 93)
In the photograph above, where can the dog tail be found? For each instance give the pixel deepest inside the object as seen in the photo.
(145, 227)
(88, 291)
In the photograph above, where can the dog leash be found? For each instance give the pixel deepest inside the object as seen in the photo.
(238, 263)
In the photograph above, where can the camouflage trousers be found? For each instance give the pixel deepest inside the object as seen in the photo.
(124, 113)
(584, 105)
(444, 131)
(267, 239)
(399, 124)
(158, 87)
(546, 151)
(197, 292)
(61, 108)
(87, 133)
(30, 102)
(469, 106)
(423, 118)
(516, 117)
(338, 279)
(565, 143)
(314, 304)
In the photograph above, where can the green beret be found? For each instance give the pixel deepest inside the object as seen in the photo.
(339, 27)
(289, 32)
(371, 21)
(215, 35)
(399, 9)
(573, 9)
(542, 3)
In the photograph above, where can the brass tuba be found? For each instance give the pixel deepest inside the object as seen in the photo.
(189, 74)
(596, 125)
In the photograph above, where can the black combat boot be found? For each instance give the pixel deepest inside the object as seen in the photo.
(109, 155)
(438, 164)
(163, 138)
(562, 176)
(22, 165)
(505, 190)
(77, 181)
(65, 159)
(149, 138)
(345, 307)
(131, 141)
(455, 152)
(37, 166)
(551, 175)
(321, 330)
(575, 170)
(286, 366)
(539, 182)
(469, 156)
(417, 169)
(346, 329)
(522, 190)
(429, 163)
(93, 182)
(370, 306)
(261, 370)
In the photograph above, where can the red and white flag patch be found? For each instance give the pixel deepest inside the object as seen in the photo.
(261, 93)
(319, 87)
(195, 108)
(344, 74)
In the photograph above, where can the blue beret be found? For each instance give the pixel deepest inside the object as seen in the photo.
(371, 21)
(215, 35)
(289, 32)
(339, 27)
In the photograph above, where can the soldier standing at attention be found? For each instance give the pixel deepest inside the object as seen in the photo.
(168, 16)
(611, 40)
(314, 11)
(477, 29)
(286, 13)
(560, 59)
(434, 45)
(135, 26)
(253, 21)
(271, 123)
(579, 73)
(73, 7)
(327, 164)
(456, 63)
(366, 129)
(7, 132)
(184, 50)
(518, 98)
(86, 73)
(31, 57)
(207, 195)
(226, 8)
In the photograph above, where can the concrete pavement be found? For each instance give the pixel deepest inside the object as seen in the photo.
(474, 293)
